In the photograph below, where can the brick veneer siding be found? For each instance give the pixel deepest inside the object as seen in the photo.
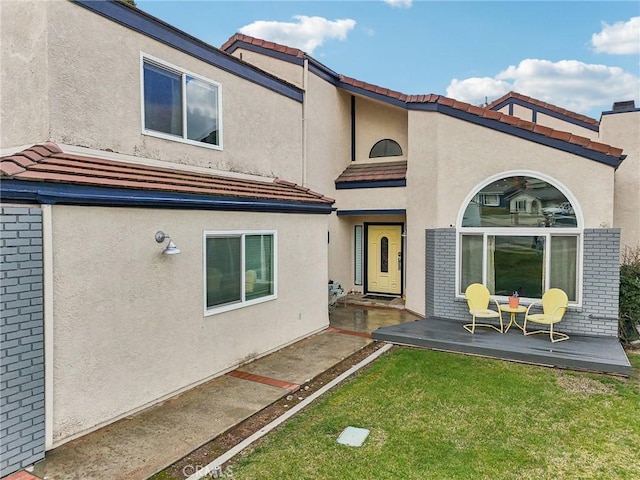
(598, 315)
(21, 338)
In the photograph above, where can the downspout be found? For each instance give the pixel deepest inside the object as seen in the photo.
(305, 84)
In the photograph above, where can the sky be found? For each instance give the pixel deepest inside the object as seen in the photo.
(578, 55)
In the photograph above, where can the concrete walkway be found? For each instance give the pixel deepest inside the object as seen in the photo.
(145, 443)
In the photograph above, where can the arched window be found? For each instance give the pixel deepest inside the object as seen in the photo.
(386, 148)
(520, 233)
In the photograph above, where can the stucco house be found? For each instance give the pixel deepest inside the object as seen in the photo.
(116, 126)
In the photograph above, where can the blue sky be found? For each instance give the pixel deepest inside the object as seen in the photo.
(582, 56)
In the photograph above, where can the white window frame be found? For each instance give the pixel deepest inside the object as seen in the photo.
(243, 302)
(493, 196)
(547, 232)
(183, 73)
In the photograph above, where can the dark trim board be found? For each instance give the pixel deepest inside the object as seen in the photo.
(390, 211)
(371, 184)
(593, 354)
(60, 193)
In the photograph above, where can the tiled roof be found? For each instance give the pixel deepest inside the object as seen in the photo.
(373, 172)
(491, 115)
(48, 163)
(239, 37)
(540, 103)
(480, 112)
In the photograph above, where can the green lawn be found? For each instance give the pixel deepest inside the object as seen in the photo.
(438, 415)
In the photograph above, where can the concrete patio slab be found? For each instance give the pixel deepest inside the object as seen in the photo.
(307, 358)
(138, 446)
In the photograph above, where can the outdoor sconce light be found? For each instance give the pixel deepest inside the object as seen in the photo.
(171, 247)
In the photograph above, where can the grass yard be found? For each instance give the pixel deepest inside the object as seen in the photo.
(438, 415)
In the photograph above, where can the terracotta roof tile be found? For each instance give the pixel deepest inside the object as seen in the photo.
(367, 172)
(546, 105)
(239, 37)
(57, 166)
(9, 168)
(599, 147)
(542, 130)
(560, 135)
(578, 140)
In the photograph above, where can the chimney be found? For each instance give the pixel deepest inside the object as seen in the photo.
(625, 106)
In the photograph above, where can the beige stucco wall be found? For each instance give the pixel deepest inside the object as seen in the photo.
(558, 124)
(376, 121)
(290, 72)
(450, 158)
(371, 198)
(94, 87)
(623, 130)
(24, 105)
(328, 124)
(128, 321)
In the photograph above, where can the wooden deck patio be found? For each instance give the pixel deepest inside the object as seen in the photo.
(594, 354)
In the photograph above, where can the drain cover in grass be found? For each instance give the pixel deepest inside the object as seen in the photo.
(353, 436)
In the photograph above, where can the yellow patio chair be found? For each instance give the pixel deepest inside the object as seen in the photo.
(478, 298)
(554, 304)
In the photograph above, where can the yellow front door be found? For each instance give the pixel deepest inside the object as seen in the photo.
(384, 262)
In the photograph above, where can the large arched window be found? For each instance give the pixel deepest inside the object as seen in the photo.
(520, 233)
(386, 148)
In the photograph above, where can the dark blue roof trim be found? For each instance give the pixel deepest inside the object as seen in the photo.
(538, 109)
(152, 27)
(371, 184)
(519, 132)
(68, 194)
(323, 71)
(612, 112)
(388, 211)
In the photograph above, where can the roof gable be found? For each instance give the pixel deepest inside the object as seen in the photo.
(486, 117)
(538, 106)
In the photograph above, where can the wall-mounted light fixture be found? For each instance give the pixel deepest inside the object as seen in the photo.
(171, 247)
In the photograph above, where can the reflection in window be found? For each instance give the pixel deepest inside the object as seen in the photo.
(510, 239)
(175, 101)
(523, 202)
(239, 268)
(384, 254)
(386, 148)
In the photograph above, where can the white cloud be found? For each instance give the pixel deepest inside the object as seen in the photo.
(307, 34)
(569, 84)
(399, 3)
(621, 38)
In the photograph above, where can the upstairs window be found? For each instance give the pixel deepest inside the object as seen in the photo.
(386, 148)
(181, 106)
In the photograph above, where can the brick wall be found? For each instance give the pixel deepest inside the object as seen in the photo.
(598, 315)
(21, 338)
